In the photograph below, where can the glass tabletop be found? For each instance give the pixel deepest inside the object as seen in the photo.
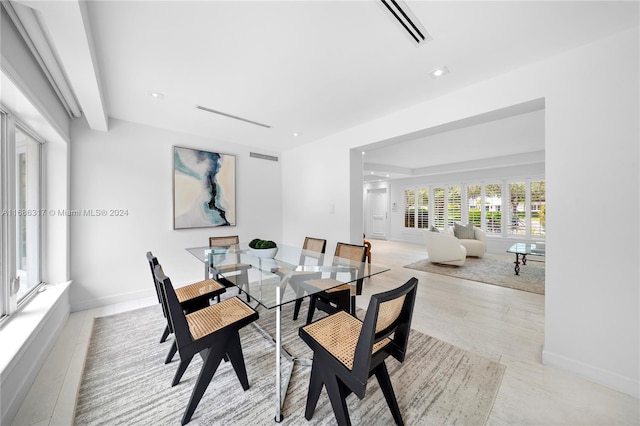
(526, 248)
(288, 276)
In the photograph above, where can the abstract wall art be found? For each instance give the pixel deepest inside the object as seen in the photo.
(204, 188)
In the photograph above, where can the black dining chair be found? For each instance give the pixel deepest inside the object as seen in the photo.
(312, 253)
(225, 271)
(213, 332)
(347, 351)
(192, 297)
(338, 296)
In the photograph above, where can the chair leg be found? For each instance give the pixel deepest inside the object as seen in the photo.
(182, 367)
(315, 387)
(387, 390)
(234, 352)
(296, 309)
(312, 309)
(212, 360)
(172, 352)
(165, 334)
(337, 395)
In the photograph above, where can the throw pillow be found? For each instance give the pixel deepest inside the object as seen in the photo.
(465, 232)
(433, 229)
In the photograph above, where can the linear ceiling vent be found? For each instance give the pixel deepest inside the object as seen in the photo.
(232, 116)
(263, 156)
(408, 20)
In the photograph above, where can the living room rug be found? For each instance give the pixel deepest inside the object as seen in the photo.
(491, 269)
(125, 380)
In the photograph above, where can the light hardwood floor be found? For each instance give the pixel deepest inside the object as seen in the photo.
(502, 324)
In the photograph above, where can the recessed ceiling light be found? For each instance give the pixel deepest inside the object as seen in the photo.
(295, 133)
(371, 172)
(439, 72)
(156, 95)
(387, 175)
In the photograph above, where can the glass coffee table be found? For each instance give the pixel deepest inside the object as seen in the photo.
(524, 250)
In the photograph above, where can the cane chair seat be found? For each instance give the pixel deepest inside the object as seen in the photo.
(198, 289)
(215, 317)
(329, 285)
(339, 334)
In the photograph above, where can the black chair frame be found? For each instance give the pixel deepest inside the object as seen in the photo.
(213, 348)
(340, 381)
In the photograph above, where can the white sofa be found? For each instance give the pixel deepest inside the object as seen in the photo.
(443, 247)
(476, 247)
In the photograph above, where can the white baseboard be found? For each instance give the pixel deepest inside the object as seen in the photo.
(598, 375)
(82, 305)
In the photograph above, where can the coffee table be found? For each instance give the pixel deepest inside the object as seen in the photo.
(524, 250)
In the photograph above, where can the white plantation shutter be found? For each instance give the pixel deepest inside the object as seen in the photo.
(474, 205)
(538, 208)
(454, 205)
(409, 208)
(423, 208)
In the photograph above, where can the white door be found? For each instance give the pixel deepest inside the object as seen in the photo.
(378, 215)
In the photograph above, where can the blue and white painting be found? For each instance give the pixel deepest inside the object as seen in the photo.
(204, 188)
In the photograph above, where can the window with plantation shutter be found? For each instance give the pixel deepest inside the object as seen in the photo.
(423, 208)
(474, 205)
(454, 205)
(538, 208)
(493, 208)
(516, 213)
(438, 208)
(409, 208)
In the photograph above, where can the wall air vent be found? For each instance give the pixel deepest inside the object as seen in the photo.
(263, 156)
(401, 12)
(232, 116)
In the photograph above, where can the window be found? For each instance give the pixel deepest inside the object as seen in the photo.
(474, 205)
(538, 208)
(409, 208)
(28, 217)
(454, 205)
(423, 208)
(21, 219)
(517, 215)
(438, 208)
(493, 208)
(523, 216)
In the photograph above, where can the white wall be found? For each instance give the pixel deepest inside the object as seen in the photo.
(131, 168)
(592, 323)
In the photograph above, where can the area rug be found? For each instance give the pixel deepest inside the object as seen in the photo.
(492, 269)
(126, 382)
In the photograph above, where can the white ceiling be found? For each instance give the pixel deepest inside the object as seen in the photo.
(313, 67)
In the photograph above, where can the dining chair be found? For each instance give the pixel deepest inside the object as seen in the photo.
(236, 267)
(367, 244)
(213, 332)
(192, 297)
(338, 297)
(312, 248)
(347, 351)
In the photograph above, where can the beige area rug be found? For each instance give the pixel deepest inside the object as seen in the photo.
(126, 382)
(492, 269)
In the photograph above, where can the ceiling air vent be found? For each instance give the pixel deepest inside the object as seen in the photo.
(235, 117)
(263, 156)
(408, 20)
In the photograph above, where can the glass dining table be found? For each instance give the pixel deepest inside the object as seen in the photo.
(274, 282)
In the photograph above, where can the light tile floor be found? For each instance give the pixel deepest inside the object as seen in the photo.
(501, 324)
